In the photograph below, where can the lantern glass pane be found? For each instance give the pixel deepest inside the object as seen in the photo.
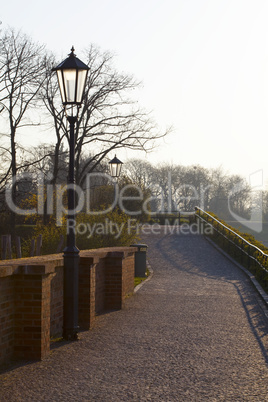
(60, 81)
(69, 77)
(119, 166)
(115, 169)
(81, 80)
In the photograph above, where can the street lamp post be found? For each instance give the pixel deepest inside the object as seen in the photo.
(115, 167)
(72, 74)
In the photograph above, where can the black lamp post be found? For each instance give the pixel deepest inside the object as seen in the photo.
(72, 74)
(115, 167)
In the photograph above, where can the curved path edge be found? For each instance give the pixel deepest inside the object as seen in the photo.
(254, 281)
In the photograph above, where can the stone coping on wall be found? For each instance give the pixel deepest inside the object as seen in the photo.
(46, 264)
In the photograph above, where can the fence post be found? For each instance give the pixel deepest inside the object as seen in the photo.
(38, 245)
(4, 246)
(18, 247)
(60, 245)
(249, 250)
(228, 241)
(32, 247)
(9, 249)
(242, 251)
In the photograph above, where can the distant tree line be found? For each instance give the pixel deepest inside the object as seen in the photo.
(181, 188)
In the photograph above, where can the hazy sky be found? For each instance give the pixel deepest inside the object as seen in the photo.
(203, 64)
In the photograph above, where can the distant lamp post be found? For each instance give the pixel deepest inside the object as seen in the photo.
(72, 74)
(115, 167)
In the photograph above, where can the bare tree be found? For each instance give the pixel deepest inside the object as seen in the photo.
(22, 68)
(108, 119)
(140, 172)
(51, 99)
(181, 188)
(41, 160)
(239, 195)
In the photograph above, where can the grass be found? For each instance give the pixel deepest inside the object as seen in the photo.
(139, 279)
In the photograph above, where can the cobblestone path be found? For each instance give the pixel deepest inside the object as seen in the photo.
(197, 331)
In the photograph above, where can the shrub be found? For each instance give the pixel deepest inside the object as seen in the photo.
(92, 231)
(108, 230)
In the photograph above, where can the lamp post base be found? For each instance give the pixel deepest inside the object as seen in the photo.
(70, 334)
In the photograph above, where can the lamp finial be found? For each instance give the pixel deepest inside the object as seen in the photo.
(72, 50)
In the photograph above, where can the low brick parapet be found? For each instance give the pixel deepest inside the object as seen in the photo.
(31, 296)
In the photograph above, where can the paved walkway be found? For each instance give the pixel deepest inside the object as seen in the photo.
(194, 332)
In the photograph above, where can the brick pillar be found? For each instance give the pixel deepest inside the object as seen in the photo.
(113, 281)
(32, 316)
(86, 291)
(56, 302)
(128, 278)
(6, 317)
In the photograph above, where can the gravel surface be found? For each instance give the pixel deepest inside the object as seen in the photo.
(196, 331)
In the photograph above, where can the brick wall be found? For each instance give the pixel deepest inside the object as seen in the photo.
(100, 286)
(86, 292)
(56, 302)
(128, 274)
(6, 317)
(32, 312)
(31, 297)
(113, 281)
